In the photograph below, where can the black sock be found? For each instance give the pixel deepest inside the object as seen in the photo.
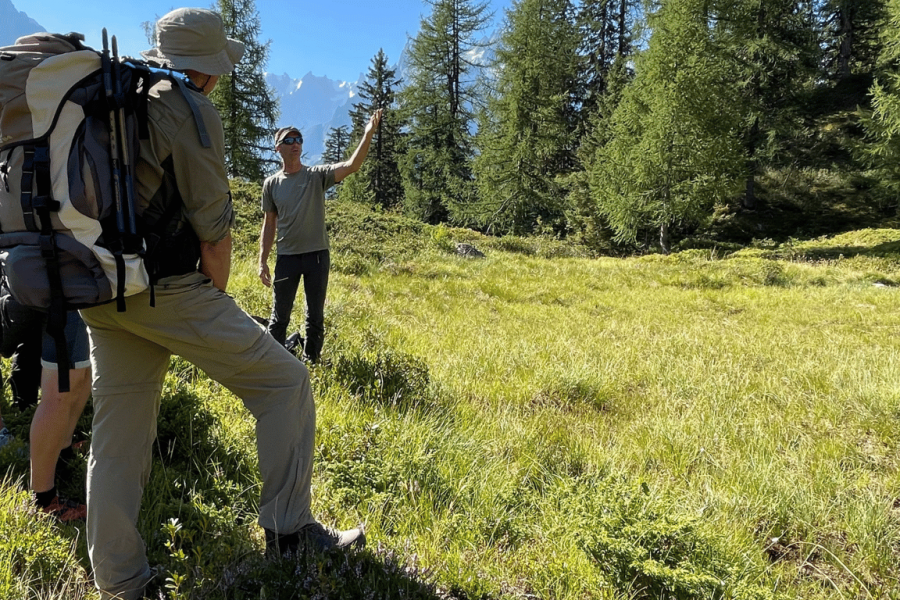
(43, 499)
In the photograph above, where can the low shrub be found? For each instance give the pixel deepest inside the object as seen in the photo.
(35, 553)
(381, 376)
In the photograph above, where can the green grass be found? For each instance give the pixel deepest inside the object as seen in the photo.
(541, 424)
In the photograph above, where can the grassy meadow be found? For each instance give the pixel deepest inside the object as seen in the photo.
(542, 424)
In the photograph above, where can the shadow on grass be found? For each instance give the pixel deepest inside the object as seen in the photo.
(372, 573)
(886, 249)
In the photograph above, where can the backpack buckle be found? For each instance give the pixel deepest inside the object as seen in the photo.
(48, 246)
(45, 202)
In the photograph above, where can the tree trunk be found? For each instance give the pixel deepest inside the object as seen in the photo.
(749, 201)
(846, 52)
(664, 240)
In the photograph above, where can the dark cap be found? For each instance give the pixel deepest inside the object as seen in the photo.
(284, 131)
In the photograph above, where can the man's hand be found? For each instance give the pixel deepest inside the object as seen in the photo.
(374, 121)
(264, 275)
(215, 261)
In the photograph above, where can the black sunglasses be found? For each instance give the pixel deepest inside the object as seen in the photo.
(290, 141)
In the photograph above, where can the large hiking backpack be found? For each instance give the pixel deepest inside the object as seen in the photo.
(71, 119)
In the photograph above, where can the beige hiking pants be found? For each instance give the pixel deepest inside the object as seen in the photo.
(130, 353)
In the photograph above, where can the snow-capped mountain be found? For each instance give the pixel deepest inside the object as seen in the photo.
(314, 105)
(14, 24)
(318, 104)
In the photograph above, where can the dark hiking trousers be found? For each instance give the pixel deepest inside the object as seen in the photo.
(313, 267)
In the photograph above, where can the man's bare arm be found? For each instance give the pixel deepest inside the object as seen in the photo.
(348, 167)
(266, 239)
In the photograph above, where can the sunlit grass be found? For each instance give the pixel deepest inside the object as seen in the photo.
(761, 395)
(536, 424)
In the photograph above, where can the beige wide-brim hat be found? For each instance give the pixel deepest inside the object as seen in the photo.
(194, 38)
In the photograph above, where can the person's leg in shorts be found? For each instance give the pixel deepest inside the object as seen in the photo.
(57, 415)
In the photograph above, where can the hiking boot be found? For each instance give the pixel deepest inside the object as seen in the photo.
(5, 437)
(316, 537)
(65, 510)
(155, 588)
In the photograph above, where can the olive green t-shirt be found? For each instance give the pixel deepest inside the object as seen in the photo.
(298, 199)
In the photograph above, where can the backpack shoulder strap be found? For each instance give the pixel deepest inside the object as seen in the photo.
(153, 74)
(198, 118)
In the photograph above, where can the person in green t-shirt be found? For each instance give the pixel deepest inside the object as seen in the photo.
(293, 204)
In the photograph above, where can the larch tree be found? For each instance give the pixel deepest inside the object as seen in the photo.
(337, 141)
(673, 151)
(439, 103)
(850, 37)
(882, 123)
(528, 135)
(246, 103)
(770, 47)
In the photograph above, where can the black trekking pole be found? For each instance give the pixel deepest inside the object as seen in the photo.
(113, 134)
(118, 247)
(123, 139)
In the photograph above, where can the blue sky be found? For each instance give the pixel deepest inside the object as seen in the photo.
(335, 39)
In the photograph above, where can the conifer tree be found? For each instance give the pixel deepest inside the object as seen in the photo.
(588, 223)
(336, 144)
(439, 102)
(378, 180)
(527, 135)
(850, 36)
(245, 102)
(770, 47)
(672, 152)
(882, 124)
(606, 31)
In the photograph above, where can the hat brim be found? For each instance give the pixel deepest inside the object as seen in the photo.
(285, 132)
(221, 63)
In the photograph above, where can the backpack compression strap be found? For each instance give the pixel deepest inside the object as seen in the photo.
(42, 205)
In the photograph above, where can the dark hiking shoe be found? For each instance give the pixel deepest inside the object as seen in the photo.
(65, 510)
(294, 344)
(314, 536)
(155, 589)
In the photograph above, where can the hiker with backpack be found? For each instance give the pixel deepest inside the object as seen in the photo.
(193, 317)
(293, 204)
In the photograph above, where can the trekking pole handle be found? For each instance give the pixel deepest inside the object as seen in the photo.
(123, 139)
(113, 134)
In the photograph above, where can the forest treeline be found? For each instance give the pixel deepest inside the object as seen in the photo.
(633, 125)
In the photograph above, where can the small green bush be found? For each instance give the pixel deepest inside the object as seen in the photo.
(381, 376)
(35, 553)
(652, 549)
